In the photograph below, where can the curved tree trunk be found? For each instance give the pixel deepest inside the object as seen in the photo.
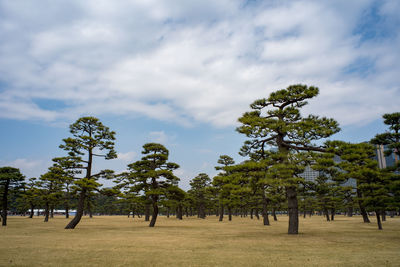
(79, 211)
(362, 208)
(293, 208)
(155, 213)
(274, 214)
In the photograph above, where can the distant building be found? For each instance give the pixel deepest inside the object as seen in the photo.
(383, 160)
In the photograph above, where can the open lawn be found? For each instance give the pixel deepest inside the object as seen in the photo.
(121, 241)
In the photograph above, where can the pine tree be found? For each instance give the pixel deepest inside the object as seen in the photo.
(9, 178)
(276, 122)
(153, 175)
(90, 139)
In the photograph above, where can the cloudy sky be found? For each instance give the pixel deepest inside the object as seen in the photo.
(181, 72)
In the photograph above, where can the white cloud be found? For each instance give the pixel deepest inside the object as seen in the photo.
(158, 137)
(194, 61)
(30, 166)
(127, 156)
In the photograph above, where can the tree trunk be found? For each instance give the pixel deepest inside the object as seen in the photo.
(5, 203)
(333, 214)
(265, 210)
(32, 211)
(257, 215)
(147, 212)
(66, 209)
(202, 212)
(167, 212)
(378, 219)
(179, 212)
(274, 214)
(187, 212)
(221, 214)
(383, 214)
(46, 212)
(155, 212)
(52, 212)
(79, 211)
(362, 208)
(251, 213)
(350, 212)
(230, 213)
(293, 208)
(326, 212)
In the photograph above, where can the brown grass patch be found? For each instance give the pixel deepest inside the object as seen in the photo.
(121, 241)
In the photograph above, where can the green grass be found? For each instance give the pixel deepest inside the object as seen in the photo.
(121, 241)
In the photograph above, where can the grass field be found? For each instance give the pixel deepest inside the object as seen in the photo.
(121, 241)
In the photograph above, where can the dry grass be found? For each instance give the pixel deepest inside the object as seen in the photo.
(121, 241)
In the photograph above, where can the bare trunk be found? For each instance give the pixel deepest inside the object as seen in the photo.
(333, 214)
(383, 214)
(327, 215)
(362, 208)
(221, 214)
(274, 214)
(265, 211)
(147, 212)
(293, 208)
(79, 211)
(5, 203)
(378, 219)
(180, 211)
(167, 212)
(257, 215)
(155, 212)
(52, 212)
(46, 212)
(350, 212)
(32, 211)
(230, 213)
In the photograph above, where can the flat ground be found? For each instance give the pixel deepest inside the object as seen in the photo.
(121, 241)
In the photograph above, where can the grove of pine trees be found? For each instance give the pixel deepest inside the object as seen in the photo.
(281, 144)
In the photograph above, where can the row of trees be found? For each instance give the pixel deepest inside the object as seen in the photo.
(280, 145)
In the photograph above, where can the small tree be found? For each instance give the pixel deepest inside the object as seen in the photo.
(50, 189)
(153, 175)
(219, 182)
(199, 186)
(9, 178)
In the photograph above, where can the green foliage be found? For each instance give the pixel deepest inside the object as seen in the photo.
(392, 137)
(276, 122)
